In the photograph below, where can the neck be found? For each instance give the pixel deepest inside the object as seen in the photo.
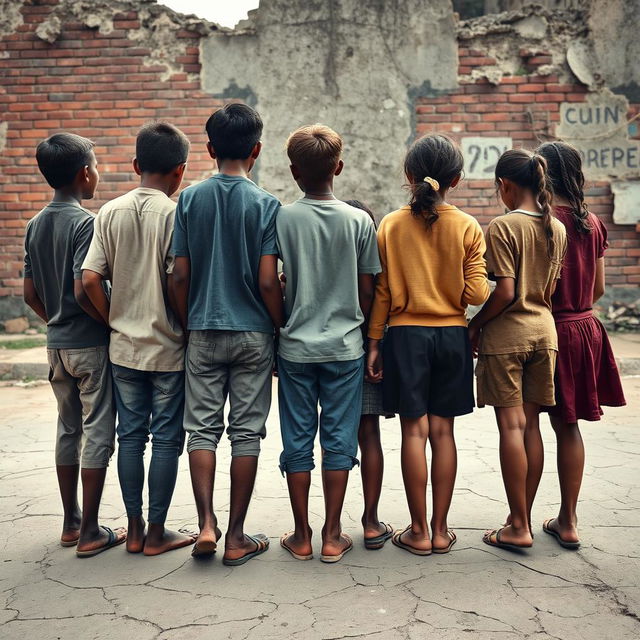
(529, 204)
(559, 201)
(67, 195)
(235, 167)
(320, 191)
(157, 181)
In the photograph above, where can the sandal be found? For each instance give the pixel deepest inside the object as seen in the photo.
(69, 543)
(297, 556)
(331, 559)
(487, 539)
(262, 544)
(377, 542)
(452, 537)
(112, 541)
(204, 549)
(397, 540)
(563, 543)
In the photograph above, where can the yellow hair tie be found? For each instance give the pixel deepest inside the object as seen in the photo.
(435, 185)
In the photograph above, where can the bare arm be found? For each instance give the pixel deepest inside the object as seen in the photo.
(498, 301)
(366, 289)
(91, 296)
(598, 285)
(178, 290)
(32, 300)
(271, 290)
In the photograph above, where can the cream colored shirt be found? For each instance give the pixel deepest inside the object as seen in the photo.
(130, 247)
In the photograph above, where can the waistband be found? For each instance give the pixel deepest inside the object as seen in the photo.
(571, 316)
(427, 320)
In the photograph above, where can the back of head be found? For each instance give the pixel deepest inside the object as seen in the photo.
(432, 163)
(529, 171)
(315, 151)
(361, 205)
(61, 156)
(234, 131)
(564, 167)
(160, 148)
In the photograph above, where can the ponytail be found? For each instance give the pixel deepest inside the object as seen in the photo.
(544, 197)
(423, 202)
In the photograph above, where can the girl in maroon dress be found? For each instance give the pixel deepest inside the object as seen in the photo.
(586, 372)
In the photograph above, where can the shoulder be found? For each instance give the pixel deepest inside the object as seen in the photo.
(465, 220)
(394, 218)
(558, 227)
(501, 224)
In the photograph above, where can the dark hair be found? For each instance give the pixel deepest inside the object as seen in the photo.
(61, 156)
(529, 170)
(436, 157)
(361, 205)
(161, 147)
(564, 167)
(234, 131)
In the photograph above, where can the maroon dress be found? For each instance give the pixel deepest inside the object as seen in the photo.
(586, 372)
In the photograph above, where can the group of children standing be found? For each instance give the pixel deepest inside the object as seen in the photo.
(161, 314)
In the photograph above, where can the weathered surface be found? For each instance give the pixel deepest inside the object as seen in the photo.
(474, 593)
(356, 66)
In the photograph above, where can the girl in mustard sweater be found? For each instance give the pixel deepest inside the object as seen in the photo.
(432, 268)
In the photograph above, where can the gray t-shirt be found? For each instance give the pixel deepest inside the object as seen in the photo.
(324, 245)
(56, 243)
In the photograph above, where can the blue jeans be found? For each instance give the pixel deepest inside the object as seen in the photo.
(149, 402)
(337, 386)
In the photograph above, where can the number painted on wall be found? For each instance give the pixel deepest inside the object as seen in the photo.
(481, 155)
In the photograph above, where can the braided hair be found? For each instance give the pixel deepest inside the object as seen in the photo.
(567, 180)
(529, 170)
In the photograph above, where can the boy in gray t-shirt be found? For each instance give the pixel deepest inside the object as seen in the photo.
(330, 257)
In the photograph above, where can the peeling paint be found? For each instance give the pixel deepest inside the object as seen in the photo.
(4, 127)
(10, 16)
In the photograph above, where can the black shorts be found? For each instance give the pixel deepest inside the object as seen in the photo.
(427, 370)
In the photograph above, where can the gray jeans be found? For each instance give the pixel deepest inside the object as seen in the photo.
(237, 364)
(81, 383)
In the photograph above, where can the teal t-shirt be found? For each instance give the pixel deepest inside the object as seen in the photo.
(224, 225)
(324, 245)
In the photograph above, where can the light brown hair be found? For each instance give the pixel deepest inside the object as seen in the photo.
(315, 150)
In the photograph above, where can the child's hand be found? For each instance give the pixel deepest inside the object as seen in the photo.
(373, 373)
(474, 338)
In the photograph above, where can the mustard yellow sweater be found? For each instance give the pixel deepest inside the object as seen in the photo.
(429, 276)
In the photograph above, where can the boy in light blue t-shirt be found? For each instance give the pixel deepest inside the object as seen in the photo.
(330, 257)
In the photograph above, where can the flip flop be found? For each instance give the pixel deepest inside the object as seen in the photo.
(331, 559)
(112, 541)
(486, 538)
(452, 537)
(378, 541)
(204, 549)
(262, 544)
(69, 543)
(563, 543)
(396, 539)
(297, 556)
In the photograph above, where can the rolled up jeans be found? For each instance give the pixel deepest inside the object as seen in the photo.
(149, 403)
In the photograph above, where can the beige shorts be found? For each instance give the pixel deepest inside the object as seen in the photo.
(510, 379)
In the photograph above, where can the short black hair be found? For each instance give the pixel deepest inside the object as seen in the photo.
(234, 131)
(61, 156)
(161, 147)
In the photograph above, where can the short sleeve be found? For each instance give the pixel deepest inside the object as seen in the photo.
(368, 256)
(96, 258)
(269, 246)
(601, 234)
(501, 261)
(81, 243)
(28, 272)
(180, 242)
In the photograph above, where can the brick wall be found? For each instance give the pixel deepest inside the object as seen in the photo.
(101, 86)
(525, 108)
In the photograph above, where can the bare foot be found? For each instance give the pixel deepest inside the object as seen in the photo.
(97, 540)
(298, 546)
(335, 545)
(507, 522)
(71, 529)
(441, 539)
(420, 541)
(136, 530)
(517, 537)
(567, 532)
(159, 540)
(373, 529)
(235, 548)
(207, 541)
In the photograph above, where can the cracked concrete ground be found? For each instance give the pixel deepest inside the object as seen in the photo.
(474, 592)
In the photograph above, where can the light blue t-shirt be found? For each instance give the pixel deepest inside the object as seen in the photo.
(224, 225)
(324, 245)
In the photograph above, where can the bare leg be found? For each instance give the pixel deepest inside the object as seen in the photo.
(335, 487)
(415, 432)
(243, 476)
(570, 461)
(68, 484)
(371, 469)
(535, 454)
(202, 464)
(300, 540)
(512, 423)
(444, 465)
